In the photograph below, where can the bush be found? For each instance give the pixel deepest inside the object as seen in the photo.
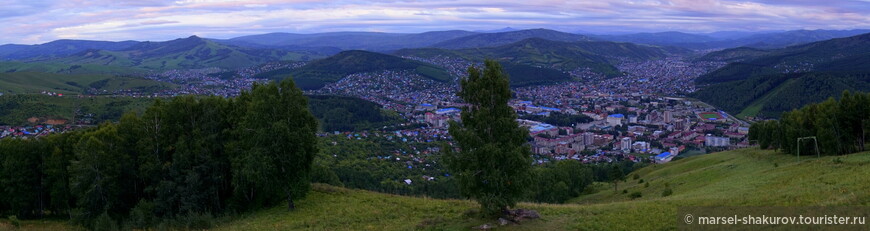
(105, 223)
(197, 221)
(640, 181)
(646, 185)
(635, 195)
(13, 220)
(142, 216)
(667, 192)
(624, 191)
(635, 177)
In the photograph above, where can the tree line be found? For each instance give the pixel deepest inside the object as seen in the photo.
(180, 158)
(839, 126)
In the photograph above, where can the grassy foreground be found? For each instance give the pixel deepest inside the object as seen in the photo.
(747, 177)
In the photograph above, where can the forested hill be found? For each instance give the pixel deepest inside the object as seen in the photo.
(770, 82)
(829, 55)
(318, 73)
(129, 57)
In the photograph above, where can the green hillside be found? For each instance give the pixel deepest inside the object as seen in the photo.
(192, 52)
(835, 55)
(66, 68)
(768, 82)
(187, 53)
(734, 54)
(768, 96)
(316, 74)
(746, 177)
(33, 82)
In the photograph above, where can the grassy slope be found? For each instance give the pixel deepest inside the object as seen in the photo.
(755, 107)
(737, 178)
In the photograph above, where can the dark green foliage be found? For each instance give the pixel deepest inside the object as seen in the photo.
(493, 164)
(560, 119)
(362, 164)
(104, 222)
(13, 220)
(781, 92)
(667, 192)
(276, 146)
(635, 195)
(823, 69)
(339, 113)
(616, 175)
(181, 160)
(840, 127)
(561, 181)
(525, 75)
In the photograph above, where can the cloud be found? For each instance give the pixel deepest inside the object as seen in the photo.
(37, 21)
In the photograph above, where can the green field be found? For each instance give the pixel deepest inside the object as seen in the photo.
(747, 177)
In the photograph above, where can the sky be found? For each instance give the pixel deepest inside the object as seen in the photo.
(40, 21)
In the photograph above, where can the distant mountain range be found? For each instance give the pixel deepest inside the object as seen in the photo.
(348, 40)
(768, 82)
(722, 40)
(59, 48)
(564, 56)
(186, 53)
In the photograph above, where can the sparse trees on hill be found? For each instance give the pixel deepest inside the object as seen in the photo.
(840, 126)
(493, 164)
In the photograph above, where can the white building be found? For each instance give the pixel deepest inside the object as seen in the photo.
(715, 141)
(625, 144)
(615, 119)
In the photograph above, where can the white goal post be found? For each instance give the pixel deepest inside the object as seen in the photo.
(815, 142)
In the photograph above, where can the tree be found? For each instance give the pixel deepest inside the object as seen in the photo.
(493, 164)
(616, 175)
(277, 144)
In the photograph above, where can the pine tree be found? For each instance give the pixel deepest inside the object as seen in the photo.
(493, 164)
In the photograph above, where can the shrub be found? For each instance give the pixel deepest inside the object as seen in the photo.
(646, 185)
(624, 191)
(105, 223)
(635, 195)
(13, 220)
(142, 216)
(635, 177)
(667, 192)
(197, 221)
(640, 181)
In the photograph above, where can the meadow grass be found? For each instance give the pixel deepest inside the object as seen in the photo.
(745, 177)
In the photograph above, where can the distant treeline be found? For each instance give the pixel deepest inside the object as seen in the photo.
(840, 126)
(183, 160)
